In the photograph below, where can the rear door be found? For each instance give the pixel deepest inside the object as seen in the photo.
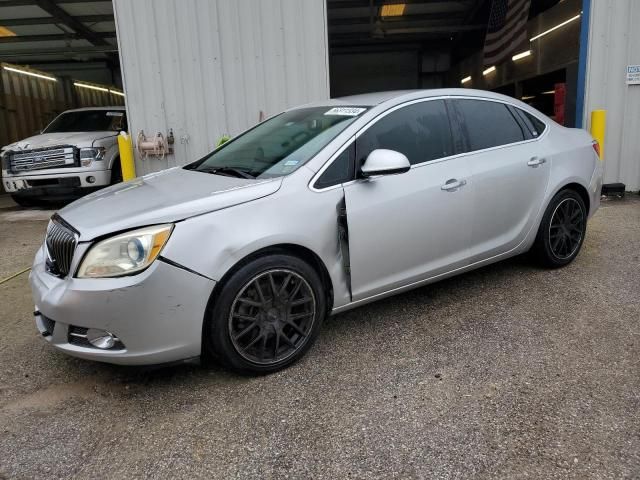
(510, 171)
(408, 227)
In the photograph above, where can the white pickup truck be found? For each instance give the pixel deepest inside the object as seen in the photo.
(74, 155)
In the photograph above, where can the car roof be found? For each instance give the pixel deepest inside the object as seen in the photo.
(376, 98)
(84, 109)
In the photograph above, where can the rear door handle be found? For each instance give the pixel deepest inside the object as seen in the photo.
(453, 184)
(535, 161)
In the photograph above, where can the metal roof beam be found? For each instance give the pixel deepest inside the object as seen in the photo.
(446, 5)
(37, 52)
(80, 28)
(22, 3)
(16, 22)
(57, 37)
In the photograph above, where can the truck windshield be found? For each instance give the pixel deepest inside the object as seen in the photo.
(88, 121)
(279, 145)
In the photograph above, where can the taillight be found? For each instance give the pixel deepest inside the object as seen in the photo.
(596, 147)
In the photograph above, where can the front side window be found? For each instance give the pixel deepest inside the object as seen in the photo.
(487, 124)
(88, 121)
(421, 131)
(279, 145)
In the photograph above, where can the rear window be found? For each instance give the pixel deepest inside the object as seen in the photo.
(538, 126)
(488, 124)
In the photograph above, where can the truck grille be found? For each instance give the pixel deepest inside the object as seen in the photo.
(61, 242)
(38, 159)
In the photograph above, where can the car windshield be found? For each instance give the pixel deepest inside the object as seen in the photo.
(279, 145)
(88, 121)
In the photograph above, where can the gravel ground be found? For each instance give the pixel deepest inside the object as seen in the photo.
(506, 372)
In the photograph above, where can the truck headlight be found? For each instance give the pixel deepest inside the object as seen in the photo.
(88, 155)
(125, 254)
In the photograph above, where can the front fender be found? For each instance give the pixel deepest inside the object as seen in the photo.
(212, 244)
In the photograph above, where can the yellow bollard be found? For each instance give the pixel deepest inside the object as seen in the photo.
(125, 145)
(599, 128)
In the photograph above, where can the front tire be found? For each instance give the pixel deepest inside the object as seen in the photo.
(23, 201)
(266, 315)
(116, 172)
(562, 230)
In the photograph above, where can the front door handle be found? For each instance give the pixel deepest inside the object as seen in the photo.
(536, 161)
(453, 184)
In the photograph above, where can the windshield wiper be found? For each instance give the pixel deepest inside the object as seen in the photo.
(228, 171)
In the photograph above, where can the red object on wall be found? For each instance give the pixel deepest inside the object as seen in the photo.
(559, 102)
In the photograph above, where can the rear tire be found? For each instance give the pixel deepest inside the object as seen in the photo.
(562, 230)
(266, 315)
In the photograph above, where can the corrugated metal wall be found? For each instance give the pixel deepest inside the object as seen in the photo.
(206, 68)
(614, 43)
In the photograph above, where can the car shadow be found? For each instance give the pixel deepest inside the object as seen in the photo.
(439, 297)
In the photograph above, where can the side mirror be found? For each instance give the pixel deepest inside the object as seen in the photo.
(385, 162)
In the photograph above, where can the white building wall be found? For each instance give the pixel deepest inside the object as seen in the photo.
(614, 43)
(206, 68)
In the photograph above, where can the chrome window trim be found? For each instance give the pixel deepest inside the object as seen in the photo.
(371, 122)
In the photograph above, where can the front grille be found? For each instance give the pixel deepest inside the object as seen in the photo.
(42, 158)
(78, 336)
(61, 243)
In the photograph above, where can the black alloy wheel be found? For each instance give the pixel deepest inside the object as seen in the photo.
(265, 314)
(271, 317)
(562, 230)
(566, 228)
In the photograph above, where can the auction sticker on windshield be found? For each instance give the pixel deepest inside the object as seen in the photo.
(345, 111)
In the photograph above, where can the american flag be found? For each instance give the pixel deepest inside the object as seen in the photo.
(506, 31)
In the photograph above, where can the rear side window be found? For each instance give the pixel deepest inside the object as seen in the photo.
(340, 170)
(421, 131)
(537, 125)
(487, 124)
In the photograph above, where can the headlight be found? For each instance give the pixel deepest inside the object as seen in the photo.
(126, 253)
(88, 155)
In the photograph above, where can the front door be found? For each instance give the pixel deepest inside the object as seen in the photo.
(408, 227)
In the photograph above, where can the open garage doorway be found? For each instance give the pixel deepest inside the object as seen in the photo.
(54, 56)
(389, 45)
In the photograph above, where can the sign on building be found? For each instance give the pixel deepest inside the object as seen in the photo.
(633, 74)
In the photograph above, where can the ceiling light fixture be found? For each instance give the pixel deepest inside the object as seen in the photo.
(489, 70)
(466, 79)
(519, 56)
(5, 32)
(116, 92)
(31, 74)
(90, 87)
(560, 25)
(549, 92)
(529, 97)
(392, 10)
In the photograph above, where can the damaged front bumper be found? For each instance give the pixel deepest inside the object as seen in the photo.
(156, 316)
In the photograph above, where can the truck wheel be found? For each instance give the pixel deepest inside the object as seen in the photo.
(116, 172)
(23, 201)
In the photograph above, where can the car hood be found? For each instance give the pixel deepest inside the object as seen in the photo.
(80, 139)
(163, 197)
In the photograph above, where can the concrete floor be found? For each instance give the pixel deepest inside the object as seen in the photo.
(506, 372)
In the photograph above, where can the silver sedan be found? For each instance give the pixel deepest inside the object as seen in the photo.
(322, 208)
